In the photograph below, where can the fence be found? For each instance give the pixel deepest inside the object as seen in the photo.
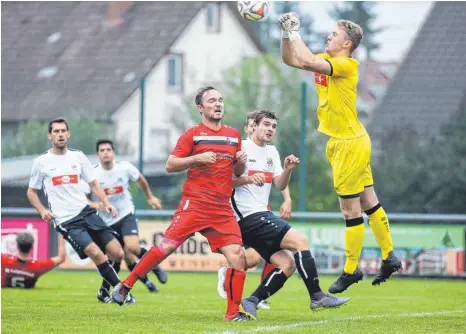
(430, 245)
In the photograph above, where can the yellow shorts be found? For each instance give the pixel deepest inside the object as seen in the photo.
(351, 165)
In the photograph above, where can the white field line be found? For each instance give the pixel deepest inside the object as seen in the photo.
(324, 322)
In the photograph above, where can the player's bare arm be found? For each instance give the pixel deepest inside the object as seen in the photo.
(46, 214)
(298, 51)
(175, 164)
(61, 256)
(257, 179)
(240, 165)
(98, 191)
(282, 181)
(99, 206)
(153, 201)
(285, 208)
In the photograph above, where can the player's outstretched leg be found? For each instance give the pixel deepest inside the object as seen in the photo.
(268, 267)
(103, 294)
(354, 237)
(151, 259)
(158, 271)
(145, 280)
(380, 226)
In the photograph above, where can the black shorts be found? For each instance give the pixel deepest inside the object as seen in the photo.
(264, 232)
(85, 228)
(128, 225)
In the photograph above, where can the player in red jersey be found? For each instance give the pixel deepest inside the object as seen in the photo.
(22, 272)
(211, 152)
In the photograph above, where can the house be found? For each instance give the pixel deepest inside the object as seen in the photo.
(62, 58)
(430, 84)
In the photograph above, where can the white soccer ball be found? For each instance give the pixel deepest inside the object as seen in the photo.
(253, 10)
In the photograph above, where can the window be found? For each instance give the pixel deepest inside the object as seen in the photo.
(213, 17)
(175, 72)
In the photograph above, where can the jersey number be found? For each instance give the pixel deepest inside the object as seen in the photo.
(17, 282)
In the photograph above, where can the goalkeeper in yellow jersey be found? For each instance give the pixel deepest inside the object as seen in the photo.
(349, 146)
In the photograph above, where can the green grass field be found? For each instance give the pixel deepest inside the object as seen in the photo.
(65, 302)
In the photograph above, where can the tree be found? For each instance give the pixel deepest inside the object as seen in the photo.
(360, 12)
(270, 33)
(258, 83)
(31, 136)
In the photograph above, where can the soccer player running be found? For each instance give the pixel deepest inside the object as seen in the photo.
(211, 152)
(59, 171)
(23, 272)
(349, 146)
(115, 178)
(269, 235)
(252, 257)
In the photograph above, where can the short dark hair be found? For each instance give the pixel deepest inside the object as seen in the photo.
(250, 115)
(103, 141)
(200, 93)
(58, 120)
(264, 113)
(24, 241)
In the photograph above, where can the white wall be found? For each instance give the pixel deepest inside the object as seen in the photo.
(205, 56)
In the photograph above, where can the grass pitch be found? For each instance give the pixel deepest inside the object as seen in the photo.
(65, 302)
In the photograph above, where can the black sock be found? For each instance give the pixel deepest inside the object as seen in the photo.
(131, 267)
(105, 285)
(270, 285)
(108, 273)
(308, 271)
(142, 252)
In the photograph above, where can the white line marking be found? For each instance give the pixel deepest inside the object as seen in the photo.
(324, 322)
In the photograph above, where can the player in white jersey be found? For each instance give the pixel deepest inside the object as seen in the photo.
(269, 235)
(59, 172)
(252, 256)
(115, 178)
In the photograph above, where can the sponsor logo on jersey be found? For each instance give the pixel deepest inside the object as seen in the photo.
(269, 162)
(65, 179)
(268, 175)
(113, 190)
(320, 79)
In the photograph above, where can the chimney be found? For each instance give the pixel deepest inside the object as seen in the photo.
(115, 12)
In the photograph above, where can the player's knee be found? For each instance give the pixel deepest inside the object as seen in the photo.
(253, 259)
(133, 248)
(350, 213)
(299, 243)
(116, 255)
(288, 267)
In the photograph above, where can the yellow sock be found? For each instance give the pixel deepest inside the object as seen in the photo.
(354, 237)
(378, 221)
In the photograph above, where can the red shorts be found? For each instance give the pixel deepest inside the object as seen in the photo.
(219, 226)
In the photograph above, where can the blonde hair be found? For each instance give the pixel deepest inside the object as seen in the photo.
(354, 32)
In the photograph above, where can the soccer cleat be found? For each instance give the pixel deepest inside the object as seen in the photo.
(264, 305)
(240, 316)
(328, 301)
(130, 300)
(120, 294)
(221, 282)
(151, 286)
(161, 274)
(103, 296)
(388, 266)
(345, 280)
(249, 308)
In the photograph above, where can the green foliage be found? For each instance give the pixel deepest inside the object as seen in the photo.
(360, 12)
(259, 83)
(415, 173)
(30, 137)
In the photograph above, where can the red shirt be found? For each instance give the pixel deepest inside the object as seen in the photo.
(209, 184)
(20, 274)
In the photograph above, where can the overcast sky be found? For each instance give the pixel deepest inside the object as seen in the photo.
(404, 18)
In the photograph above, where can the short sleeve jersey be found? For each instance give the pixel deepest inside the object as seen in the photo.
(337, 113)
(249, 198)
(209, 184)
(115, 183)
(23, 274)
(60, 176)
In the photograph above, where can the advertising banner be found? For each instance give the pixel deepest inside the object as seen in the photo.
(423, 249)
(37, 227)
